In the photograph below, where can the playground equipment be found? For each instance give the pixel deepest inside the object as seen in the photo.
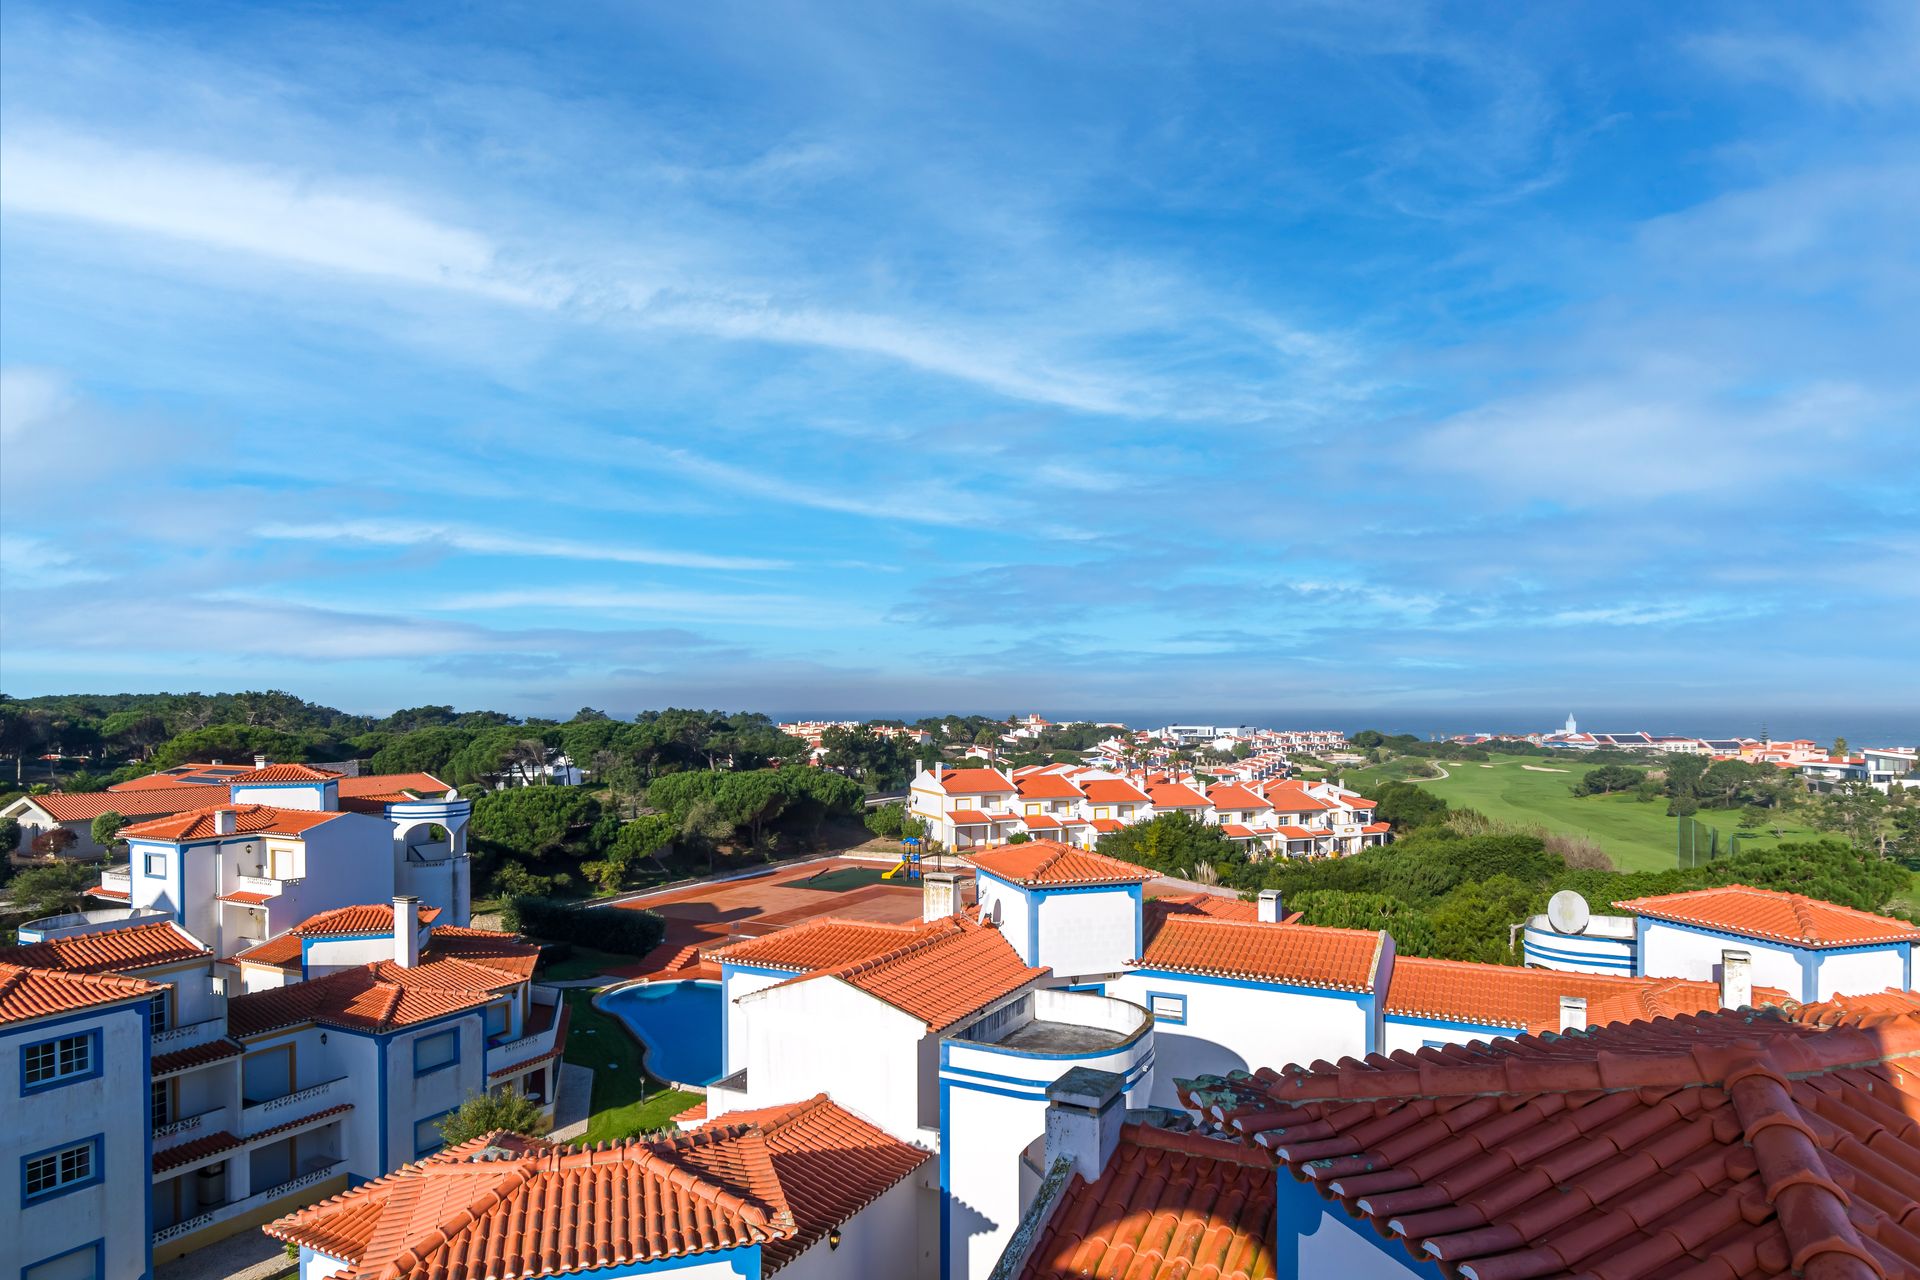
(909, 864)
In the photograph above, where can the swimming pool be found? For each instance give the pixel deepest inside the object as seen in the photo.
(678, 1022)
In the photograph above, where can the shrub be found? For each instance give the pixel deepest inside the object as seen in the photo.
(886, 820)
(615, 929)
(9, 834)
(484, 1113)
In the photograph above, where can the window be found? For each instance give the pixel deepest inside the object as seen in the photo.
(161, 1108)
(285, 862)
(436, 1052)
(156, 864)
(157, 1011)
(50, 1173)
(426, 1134)
(1167, 1008)
(83, 1263)
(497, 1019)
(56, 1062)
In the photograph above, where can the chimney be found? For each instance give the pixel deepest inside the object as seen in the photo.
(939, 769)
(223, 822)
(1736, 979)
(1270, 912)
(1085, 1109)
(939, 895)
(1573, 1013)
(406, 931)
(259, 762)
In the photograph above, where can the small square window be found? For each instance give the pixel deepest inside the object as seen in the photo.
(53, 1062)
(426, 1135)
(53, 1170)
(1168, 1008)
(156, 864)
(435, 1052)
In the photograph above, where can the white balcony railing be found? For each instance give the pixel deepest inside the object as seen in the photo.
(527, 1047)
(119, 879)
(190, 1035)
(320, 1172)
(187, 1128)
(257, 1116)
(257, 884)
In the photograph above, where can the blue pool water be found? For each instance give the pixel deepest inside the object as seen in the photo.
(678, 1022)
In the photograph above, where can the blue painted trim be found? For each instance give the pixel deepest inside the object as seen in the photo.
(146, 1130)
(1809, 975)
(438, 1141)
(758, 970)
(1624, 961)
(96, 1065)
(1129, 1078)
(99, 1248)
(1090, 988)
(146, 866)
(946, 1177)
(1361, 998)
(1446, 1024)
(385, 1122)
(450, 1063)
(1170, 1020)
(96, 1175)
(1773, 943)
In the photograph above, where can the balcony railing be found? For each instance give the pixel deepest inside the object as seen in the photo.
(188, 1127)
(190, 1035)
(258, 884)
(320, 1172)
(257, 1116)
(119, 879)
(530, 1046)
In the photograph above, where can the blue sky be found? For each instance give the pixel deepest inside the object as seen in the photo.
(963, 357)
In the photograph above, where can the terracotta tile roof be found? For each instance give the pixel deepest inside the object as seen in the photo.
(1158, 911)
(250, 897)
(1773, 916)
(1358, 802)
(1106, 826)
(118, 894)
(165, 778)
(1731, 1145)
(489, 948)
(968, 818)
(830, 1163)
(1231, 795)
(283, 773)
(973, 782)
(1113, 791)
(200, 1148)
(1234, 831)
(1529, 999)
(1175, 795)
(200, 1055)
(1292, 796)
(371, 997)
(951, 968)
(248, 820)
(34, 993)
(391, 788)
(1167, 1205)
(284, 951)
(503, 1206)
(1040, 822)
(1047, 786)
(135, 946)
(1300, 833)
(84, 806)
(1296, 955)
(1050, 864)
(1864, 1009)
(1376, 828)
(826, 943)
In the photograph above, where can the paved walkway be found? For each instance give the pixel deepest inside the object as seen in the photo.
(249, 1255)
(573, 1104)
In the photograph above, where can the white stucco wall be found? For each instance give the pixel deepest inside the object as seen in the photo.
(411, 1098)
(1014, 912)
(824, 1036)
(1088, 931)
(112, 1104)
(1860, 972)
(1667, 951)
(1413, 1035)
(1242, 1028)
(734, 983)
(883, 1239)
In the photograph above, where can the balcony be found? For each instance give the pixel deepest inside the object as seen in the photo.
(257, 1117)
(73, 922)
(264, 885)
(187, 1128)
(316, 1172)
(190, 1035)
(543, 1031)
(117, 879)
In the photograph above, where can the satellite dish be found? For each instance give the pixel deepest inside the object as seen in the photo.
(1567, 912)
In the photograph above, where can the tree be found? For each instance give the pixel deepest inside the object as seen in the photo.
(52, 891)
(639, 839)
(482, 1113)
(1608, 779)
(1171, 843)
(23, 732)
(53, 842)
(9, 834)
(106, 828)
(1407, 806)
(1839, 751)
(878, 763)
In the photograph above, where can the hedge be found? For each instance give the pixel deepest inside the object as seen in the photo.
(616, 929)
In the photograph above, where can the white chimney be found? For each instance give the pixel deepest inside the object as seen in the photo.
(1573, 1013)
(1270, 906)
(939, 769)
(1085, 1109)
(259, 762)
(939, 895)
(406, 932)
(1736, 980)
(223, 822)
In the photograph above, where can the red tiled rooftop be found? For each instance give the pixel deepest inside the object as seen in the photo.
(277, 773)
(1112, 791)
(826, 943)
(950, 969)
(1158, 911)
(968, 818)
(35, 993)
(1047, 786)
(1773, 916)
(1106, 826)
(1529, 999)
(1167, 1205)
(84, 806)
(1235, 831)
(1175, 795)
(1050, 864)
(137, 946)
(1040, 822)
(200, 1148)
(1733, 1145)
(973, 782)
(165, 1064)
(372, 997)
(284, 951)
(1296, 955)
(248, 820)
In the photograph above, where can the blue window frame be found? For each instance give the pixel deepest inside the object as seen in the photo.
(58, 1171)
(1168, 1007)
(426, 1133)
(156, 866)
(436, 1052)
(88, 1262)
(51, 1064)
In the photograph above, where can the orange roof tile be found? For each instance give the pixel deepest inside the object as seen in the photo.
(1296, 955)
(134, 946)
(1235, 831)
(1358, 802)
(490, 948)
(1040, 822)
(1167, 1205)
(84, 806)
(1106, 826)
(1774, 916)
(248, 820)
(1112, 791)
(968, 818)
(1048, 863)
(283, 773)
(1377, 828)
(1158, 910)
(371, 997)
(1292, 832)
(35, 993)
(1175, 795)
(284, 951)
(973, 782)
(506, 1206)
(166, 1064)
(1737, 1145)
(825, 943)
(1047, 786)
(1529, 999)
(1230, 795)
(950, 969)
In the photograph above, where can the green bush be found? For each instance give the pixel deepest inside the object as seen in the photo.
(615, 929)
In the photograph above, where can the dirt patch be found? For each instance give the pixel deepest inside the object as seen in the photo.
(1540, 768)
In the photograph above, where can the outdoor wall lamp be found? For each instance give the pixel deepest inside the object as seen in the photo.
(833, 1238)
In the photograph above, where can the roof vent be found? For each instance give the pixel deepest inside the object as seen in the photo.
(1736, 980)
(224, 822)
(1573, 1013)
(1270, 906)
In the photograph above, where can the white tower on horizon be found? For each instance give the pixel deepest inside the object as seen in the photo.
(1572, 728)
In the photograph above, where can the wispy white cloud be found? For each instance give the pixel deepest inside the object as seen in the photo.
(485, 542)
(30, 397)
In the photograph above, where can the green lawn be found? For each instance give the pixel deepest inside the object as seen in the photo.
(1637, 834)
(583, 962)
(626, 1100)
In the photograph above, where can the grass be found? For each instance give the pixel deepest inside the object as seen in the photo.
(1637, 834)
(626, 1100)
(584, 962)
